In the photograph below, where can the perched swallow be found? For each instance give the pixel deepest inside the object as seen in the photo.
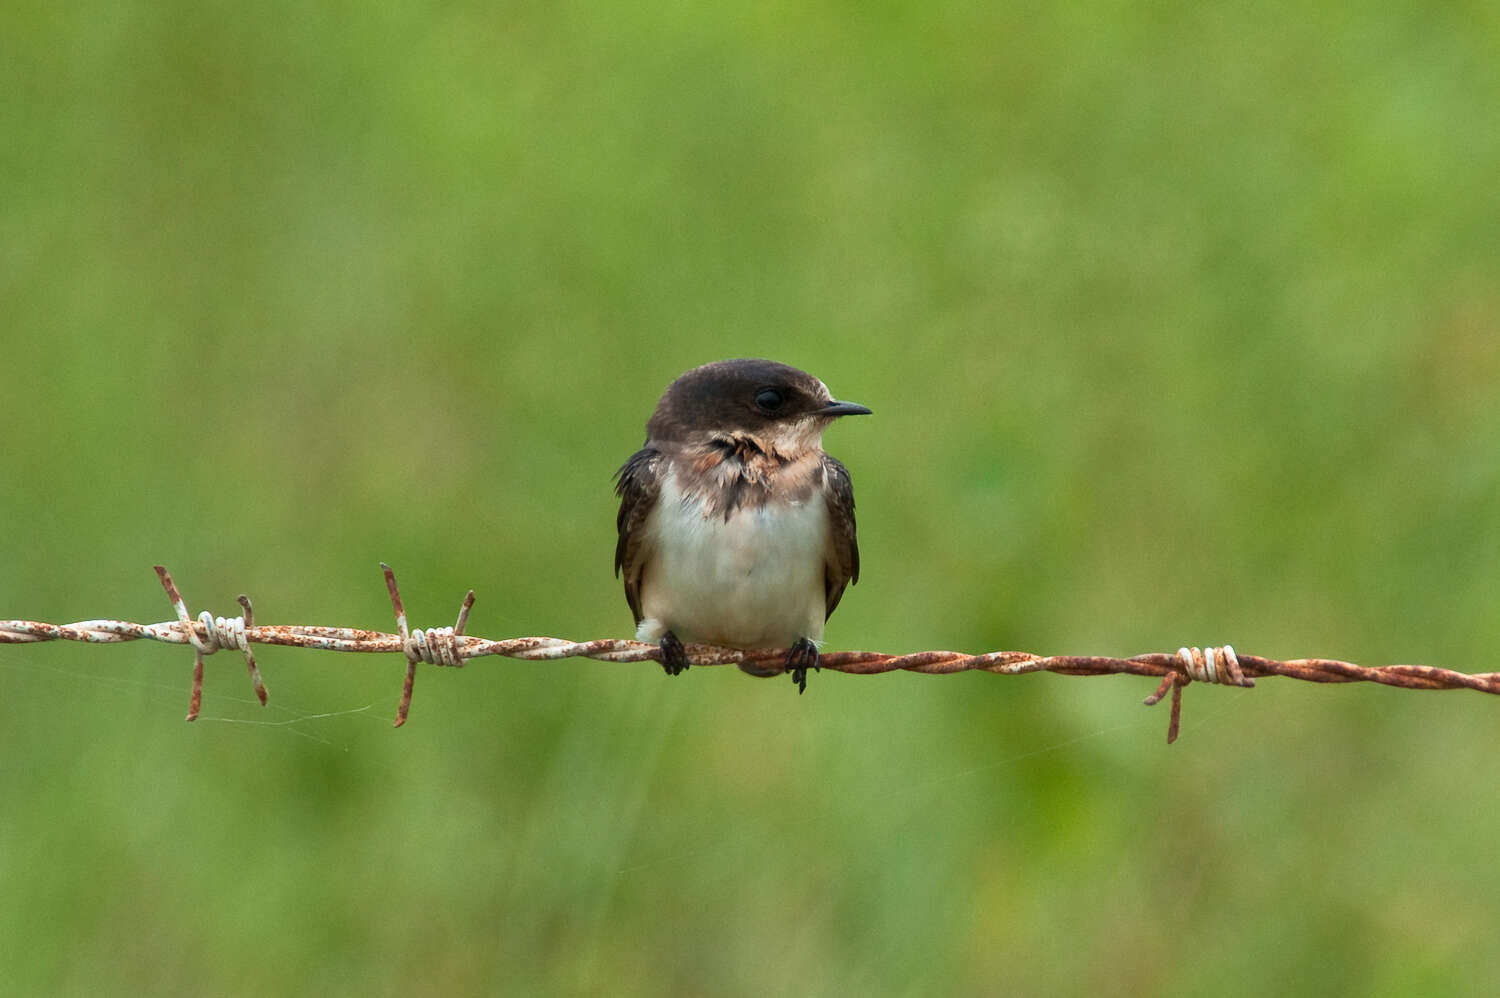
(735, 528)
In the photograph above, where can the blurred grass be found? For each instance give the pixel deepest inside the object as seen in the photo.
(1180, 324)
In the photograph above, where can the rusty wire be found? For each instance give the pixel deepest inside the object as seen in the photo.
(450, 646)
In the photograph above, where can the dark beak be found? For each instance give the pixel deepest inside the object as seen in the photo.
(837, 408)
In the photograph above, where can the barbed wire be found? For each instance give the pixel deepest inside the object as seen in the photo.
(450, 646)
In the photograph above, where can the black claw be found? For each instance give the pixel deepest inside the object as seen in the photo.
(673, 655)
(800, 657)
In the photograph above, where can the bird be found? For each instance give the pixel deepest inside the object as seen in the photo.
(735, 527)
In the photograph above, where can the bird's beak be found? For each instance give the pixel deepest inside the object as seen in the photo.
(837, 408)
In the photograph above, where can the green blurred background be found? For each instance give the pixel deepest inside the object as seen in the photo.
(1181, 324)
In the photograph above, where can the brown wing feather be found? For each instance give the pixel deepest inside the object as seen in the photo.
(842, 561)
(637, 483)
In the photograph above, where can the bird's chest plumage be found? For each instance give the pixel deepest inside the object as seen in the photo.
(752, 579)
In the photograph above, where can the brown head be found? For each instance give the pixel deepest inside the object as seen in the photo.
(776, 405)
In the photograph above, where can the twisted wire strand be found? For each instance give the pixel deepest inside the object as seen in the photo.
(450, 646)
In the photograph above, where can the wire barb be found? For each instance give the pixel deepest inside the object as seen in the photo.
(435, 646)
(452, 647)
(217, 633)
(1206, 665)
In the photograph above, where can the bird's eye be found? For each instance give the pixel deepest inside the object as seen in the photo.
(768, 399)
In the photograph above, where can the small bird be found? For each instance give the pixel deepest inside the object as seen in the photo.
(736, 528)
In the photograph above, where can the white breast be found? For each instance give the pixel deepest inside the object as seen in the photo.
(753, 581)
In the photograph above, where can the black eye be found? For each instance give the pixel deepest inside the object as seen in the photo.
(768, 399)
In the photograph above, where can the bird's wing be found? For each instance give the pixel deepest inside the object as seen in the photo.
(841, 562)
(637, 483)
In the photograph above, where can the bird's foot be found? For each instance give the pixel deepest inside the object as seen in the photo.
(800, 657)
(673, 655)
